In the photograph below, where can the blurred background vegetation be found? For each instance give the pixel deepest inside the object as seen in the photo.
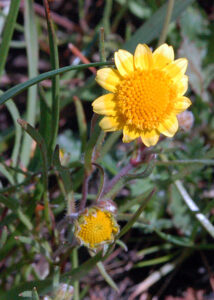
(168, 253)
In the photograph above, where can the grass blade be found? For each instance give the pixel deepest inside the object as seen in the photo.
(18, 132)
(106, 276)
(54, 58)
(66, 179)
(46, 285)
(17, 89)
(152, 28)
(6, 173)
(81, 121)
(32, 57)
(136, 215)
(8, 32)
(34, 134)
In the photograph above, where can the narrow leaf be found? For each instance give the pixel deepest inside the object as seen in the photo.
(8, 32)
(136, 215)
(17, 89)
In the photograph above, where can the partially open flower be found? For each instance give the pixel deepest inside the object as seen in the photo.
(96, 227)
(146, 94)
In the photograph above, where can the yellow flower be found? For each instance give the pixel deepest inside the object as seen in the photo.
(96, 227)
(146, 94)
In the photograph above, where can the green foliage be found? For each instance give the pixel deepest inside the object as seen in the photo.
(64, 162)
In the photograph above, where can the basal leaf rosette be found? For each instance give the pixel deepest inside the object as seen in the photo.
(96, 227)
(146, 94)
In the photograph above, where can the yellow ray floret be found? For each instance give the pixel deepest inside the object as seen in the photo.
(96, 227)
(147, 91)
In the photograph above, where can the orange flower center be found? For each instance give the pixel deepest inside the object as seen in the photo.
(97, 228)
(146, 98)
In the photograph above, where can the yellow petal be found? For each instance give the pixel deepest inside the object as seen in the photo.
(150, 138)
(124, 62)
(108, 78)
(163, 55)
(182, 85)
(177, 68)
(130, 133)
(110, 124)
(143, 57)
(169, 126)
(105, 105)
(181, 104)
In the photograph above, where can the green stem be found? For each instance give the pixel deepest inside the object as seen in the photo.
(185, 162)
(54, 58)
(107, 15)
(102, 45)
(74, 257)
(166, 23)
(32, 57)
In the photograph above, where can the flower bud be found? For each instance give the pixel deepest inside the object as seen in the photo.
(186, 120)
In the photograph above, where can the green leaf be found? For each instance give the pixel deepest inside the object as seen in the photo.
(18, 132)
(135, 216)
(26, 294)
(110, 141)
(106, 276)
(155, 261)
(32, 59)
(90, 145)
(179, 241)
(66, 179)
(6, 173)
(19, 88)
(43, 286)
(8, 32)
(182, 219)
(152, 28)
(82, 124)
(24, 219)
(9, 202)
(4, 235)
(35, 135)
(54, 58)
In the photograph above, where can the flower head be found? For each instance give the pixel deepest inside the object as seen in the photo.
(96, 227)
(146, 94)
